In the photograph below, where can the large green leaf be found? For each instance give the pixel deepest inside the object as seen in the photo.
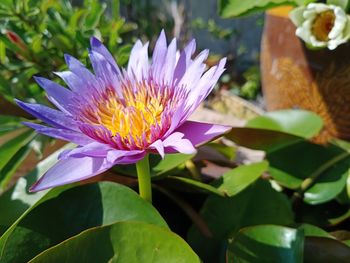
(294, 164)
(236, 180)
(262, 139)
(233, 8)
(301, 123)
(123, 242)
(267, 244)
(258, 204)
(61, 214)
(16, 201)
(314, 231)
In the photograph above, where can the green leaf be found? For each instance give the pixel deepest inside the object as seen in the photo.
(11, 147)
(2, 52)
(62, 213)
(190, 183)
(233, 8)
(339, 219)
(9, 123)
(228, 151)
(342, 3)
(16, 201)
(325, 250)
(116, 9)
(267, 244)
(7, 173)
(12, 154)
(300, 123)
(314, 231)
(123, 242)
(304, 2)
(262, 139)
(171, 161)
(258, 204)
(95, 11)
(291, 166)
(236, 180)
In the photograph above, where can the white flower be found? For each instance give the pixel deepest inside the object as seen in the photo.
(321, 25)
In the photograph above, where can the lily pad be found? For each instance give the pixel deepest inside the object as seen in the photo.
(123, 242)
(63, 213)
(267, 244)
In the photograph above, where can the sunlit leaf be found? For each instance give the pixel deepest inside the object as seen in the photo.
(237, 179)
(65, 211)
(267, 243)
(300, 123)
(123, 242)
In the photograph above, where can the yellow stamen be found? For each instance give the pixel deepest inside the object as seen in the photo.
(133, 115)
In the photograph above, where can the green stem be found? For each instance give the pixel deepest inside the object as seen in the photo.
(144, 178)
(193, 170)
(308, 182)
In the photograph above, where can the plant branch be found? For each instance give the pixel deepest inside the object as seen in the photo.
(189, 211)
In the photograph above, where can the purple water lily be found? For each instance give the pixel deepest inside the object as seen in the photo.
(117, 116)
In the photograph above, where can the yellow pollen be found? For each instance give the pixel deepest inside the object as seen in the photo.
(132, 116)
(323, 25)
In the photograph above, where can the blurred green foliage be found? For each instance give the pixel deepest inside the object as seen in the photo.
(36, 33)
(213, 28)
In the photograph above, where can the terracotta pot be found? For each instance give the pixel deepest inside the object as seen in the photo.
(296, 77)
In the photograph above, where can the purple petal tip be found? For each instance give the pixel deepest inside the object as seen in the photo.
(94, 42)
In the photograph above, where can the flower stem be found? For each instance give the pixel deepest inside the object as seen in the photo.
(144, 178)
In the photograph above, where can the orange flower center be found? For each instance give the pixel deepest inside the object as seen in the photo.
(322, 25)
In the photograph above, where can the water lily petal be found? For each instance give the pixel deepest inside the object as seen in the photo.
(79, 79)
(58, 95)
(97, 46)
(200, 132)
(170, 62)
(50, 116)
(158, 146)
(93, 149)
(138, 63)
(159, 54)
(62, 134)
(184, 60)
(176, 143)
(125, 157)
(103, 69)
(71, 170)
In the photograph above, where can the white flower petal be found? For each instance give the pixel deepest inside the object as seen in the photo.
(339, 23)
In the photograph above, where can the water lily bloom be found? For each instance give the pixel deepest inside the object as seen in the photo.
(117, 116)
(321, 25)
